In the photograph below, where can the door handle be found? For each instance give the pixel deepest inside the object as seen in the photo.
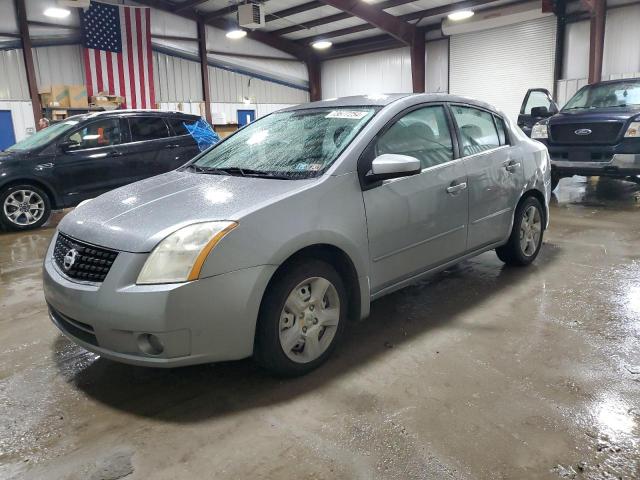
(511, 165)
(456, 187)
(172, 146)
(115, 154)
(42, 166)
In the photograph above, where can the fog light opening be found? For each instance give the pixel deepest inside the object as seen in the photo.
(149, 344)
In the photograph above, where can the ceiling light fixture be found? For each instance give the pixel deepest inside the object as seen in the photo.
(460, 15)
(321, 44)
(236, 34)
(55, 12)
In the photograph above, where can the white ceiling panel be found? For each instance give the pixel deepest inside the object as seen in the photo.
(329, 27)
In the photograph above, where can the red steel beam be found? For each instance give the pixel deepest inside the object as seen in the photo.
(299, 51)
(418, 61)
(23, 27)
(419, 15)
(204, 69)
(403, 31)
(334, 18)
(596, 40)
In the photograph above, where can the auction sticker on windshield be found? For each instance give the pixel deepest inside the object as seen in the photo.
(352, 114)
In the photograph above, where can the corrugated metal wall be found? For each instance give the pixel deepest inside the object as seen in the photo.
(499, 65)
(13, 77)
(437, 67)
(176, 79)
(231, 87)
(380, 72)
(59, 65)
(21, 116)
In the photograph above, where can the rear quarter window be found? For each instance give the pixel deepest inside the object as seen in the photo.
(148, 128)
(177, 125)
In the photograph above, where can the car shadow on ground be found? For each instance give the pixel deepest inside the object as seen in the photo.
(193, 394)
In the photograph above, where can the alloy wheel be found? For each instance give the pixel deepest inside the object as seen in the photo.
(23, 207)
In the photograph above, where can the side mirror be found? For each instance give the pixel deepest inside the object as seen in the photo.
(390, 165)
(540, 112)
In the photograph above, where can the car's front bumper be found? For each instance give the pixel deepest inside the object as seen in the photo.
(620, 163)
(207, 320)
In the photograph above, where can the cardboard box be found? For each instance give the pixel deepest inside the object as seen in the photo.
(106, 101)
(78, 96)
(54, 96)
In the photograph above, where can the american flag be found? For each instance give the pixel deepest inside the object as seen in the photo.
(117, 52)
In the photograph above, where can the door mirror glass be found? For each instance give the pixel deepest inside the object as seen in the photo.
(540, 112)
(390, 165)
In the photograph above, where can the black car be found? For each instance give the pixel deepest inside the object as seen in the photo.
(596, 133)
(86, 155)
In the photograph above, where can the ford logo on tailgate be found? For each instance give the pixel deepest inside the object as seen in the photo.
(583, 131)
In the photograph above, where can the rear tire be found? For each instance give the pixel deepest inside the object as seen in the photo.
(298, 327)
(24, 207)
(525, 240)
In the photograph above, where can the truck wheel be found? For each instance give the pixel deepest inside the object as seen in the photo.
(301, 319)
(24, 207)
(526, 235)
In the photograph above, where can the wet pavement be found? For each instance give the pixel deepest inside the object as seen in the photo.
(483, 372)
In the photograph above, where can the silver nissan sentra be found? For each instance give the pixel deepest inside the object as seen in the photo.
(269, 242)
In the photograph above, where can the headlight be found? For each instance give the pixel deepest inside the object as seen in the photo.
(540, 130)
(180, 256)
(633, 131)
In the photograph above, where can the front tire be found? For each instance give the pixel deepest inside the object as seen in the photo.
(525, 240)
(301, 319)
(24, 207)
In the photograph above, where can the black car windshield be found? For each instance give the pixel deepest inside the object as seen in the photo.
(606, 95)
(295, 144)
(44, 136)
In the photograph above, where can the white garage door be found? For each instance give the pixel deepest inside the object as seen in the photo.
(501, 64)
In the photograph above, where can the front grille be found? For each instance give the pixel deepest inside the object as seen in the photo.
(88, 263)
(80, 330)
(605, 133)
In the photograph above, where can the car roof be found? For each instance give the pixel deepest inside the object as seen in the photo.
(382, 100)
(130, 113)
(617, 80)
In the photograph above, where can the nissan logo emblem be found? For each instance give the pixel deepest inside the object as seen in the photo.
(583, 131)
(69, 259)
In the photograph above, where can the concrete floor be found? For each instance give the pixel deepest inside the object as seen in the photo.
(483, 372)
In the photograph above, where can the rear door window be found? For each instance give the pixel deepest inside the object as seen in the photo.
(177, 125)
(148, 128)
(477, 129)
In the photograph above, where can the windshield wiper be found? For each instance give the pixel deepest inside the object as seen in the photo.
(237, 171)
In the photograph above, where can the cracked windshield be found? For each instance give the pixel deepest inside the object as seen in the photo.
(287, 145)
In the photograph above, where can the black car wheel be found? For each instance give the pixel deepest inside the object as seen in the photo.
(301, 319)
(525, 240)
(24, 207)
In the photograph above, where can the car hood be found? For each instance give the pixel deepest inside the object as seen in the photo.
(7, 158)
(136, 217)
(593, 115)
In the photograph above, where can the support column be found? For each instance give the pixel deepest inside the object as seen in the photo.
(204, 68)
(417, 48)
(23, 26)
(561, 24)
(315, 80)
(596, 40)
